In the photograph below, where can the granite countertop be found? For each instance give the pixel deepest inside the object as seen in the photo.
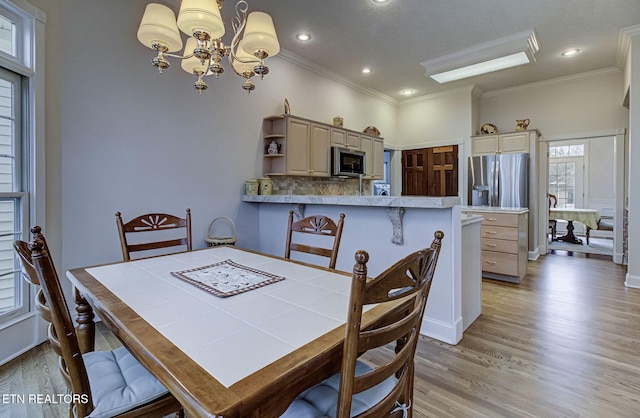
(471, 219)
(494, 209)
(375, 201)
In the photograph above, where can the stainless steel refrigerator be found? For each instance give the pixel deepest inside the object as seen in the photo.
(499, 180)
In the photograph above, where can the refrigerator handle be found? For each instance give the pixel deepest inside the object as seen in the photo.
(495, 187)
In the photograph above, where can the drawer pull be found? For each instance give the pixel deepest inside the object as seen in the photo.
(491, 232)
(491, 245)
(491, 219)
(490, 262)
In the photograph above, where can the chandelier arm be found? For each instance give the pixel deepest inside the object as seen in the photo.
(182, 57)
(238, 23)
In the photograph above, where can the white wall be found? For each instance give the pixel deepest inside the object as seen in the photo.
(575, 105)
(435, 119)
(633, 271)
(135, 141)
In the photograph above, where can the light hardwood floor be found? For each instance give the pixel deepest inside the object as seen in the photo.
(564, 343)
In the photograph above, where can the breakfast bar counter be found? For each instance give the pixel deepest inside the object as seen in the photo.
(373, 201)
(388, 228)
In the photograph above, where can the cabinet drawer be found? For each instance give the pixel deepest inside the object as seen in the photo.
(500, 245)
(500, 219)
(500, 263)
(500, 232)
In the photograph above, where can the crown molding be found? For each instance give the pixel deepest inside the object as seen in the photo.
(624, 42)
(313, 67)
(472, 89)
(553, 81)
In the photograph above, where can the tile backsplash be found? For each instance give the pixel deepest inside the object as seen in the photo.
(330, 186)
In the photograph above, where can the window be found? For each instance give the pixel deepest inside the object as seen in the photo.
(13, 194)
(20, 24)
(7, 36)
(566, 164)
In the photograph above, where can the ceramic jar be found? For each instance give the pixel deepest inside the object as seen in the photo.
(522, 124)
(266, 186)
(273, 148)
(251, 187)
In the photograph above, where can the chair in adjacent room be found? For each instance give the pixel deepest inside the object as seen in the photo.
(153, 224)
(605, 223)
(106, 383)
(553, 224)
(387, 388)
(316, 225)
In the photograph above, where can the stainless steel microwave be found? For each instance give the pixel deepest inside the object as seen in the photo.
(346, 162)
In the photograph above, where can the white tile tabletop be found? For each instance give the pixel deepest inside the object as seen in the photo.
(220, 334)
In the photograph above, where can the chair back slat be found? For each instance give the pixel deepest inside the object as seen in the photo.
(316, 225)
(409, 278)
(149, 223)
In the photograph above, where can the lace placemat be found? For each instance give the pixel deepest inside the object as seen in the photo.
(226, 278)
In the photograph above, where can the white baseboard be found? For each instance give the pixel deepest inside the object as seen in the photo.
(442, 331)
(632, 281)
(534, 255)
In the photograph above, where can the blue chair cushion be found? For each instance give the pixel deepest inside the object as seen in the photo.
(119, 382)
(321, 400)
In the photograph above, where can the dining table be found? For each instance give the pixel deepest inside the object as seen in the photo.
(230, 332)
(588, 217)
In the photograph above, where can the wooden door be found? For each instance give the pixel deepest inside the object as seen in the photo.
(430, 171)
(442, 171)
(414, 178)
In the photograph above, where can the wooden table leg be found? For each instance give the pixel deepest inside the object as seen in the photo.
(86, 328)
(570, 237)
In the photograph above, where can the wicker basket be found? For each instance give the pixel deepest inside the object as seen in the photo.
(214, 240)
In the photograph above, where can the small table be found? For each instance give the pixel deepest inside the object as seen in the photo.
(246, 355)
(588, 217)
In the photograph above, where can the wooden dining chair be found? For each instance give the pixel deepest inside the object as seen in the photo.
(316, 225)
(29, 274)
(605, 223)
(105, 383)
(386, 389)
(553, 224)
(149, 224)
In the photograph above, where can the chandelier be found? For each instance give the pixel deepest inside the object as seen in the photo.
(204, 49)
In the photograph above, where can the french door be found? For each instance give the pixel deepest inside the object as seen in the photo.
(566, 176)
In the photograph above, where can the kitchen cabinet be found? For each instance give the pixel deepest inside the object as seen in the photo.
(511, 142)
(353, 141)
(504, 238)
(304, 147)
(373, 147)
(338, 138)
(345, 139)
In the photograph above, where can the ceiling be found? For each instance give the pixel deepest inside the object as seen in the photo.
(394, 38)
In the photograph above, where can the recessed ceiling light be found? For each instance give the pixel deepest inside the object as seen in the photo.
(366, 70)
(380, 1)
(407, 92)
(303, 36)
(570, 52)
